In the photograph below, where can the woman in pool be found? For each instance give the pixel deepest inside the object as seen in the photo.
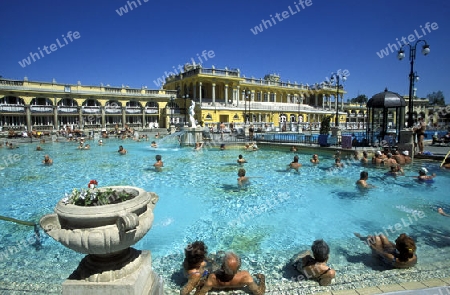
(315, 267)
(398, 255)
(194, 266)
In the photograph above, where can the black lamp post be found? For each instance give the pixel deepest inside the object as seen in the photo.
(246, 94)
(412, 76)
(171, 110)
(336, 79)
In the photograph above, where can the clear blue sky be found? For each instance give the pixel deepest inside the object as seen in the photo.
(138, 47)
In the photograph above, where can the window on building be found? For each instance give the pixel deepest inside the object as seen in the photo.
(272, 97)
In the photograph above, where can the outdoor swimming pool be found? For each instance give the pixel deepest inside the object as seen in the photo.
(278, 215)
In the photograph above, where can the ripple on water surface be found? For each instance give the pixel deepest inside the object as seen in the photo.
(279, 214)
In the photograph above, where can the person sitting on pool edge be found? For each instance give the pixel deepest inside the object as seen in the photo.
(398, 255)
(314, 267)
(242, 180)
(194, 266)
(294, 164)
(229, 277)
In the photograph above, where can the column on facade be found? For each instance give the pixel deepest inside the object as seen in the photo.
(274, 97)
(80, 118)
(200, 92)
(261, 96)
(102, 110)
(55, 117)
(316, 100)
(226, 94)
(329, 102)
(238, 92)
(302, 98)
(194, 97)
(323, 101)
(124, 117)
(213, 93)
(144, 121)
(28, 116)
(342, 102)
(268, 96)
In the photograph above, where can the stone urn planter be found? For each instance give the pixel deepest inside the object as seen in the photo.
(106, 233)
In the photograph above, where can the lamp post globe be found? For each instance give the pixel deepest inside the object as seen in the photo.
(412, 75)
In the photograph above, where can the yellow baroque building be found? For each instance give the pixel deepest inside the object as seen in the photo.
(224, 95)
(219, 95)
(50, 106)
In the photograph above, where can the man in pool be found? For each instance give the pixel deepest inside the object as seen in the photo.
(294, 164)
(159, 163)
(362, 182)
(122, 151)
(47, 160)
(241, 160)
(229, 277)
(364, 159)
(396, 170)
(315, 159)
(242, 180)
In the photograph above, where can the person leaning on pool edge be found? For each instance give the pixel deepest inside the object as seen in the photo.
(230, 277)
(398, 255)
(315, 267)
(194, 266)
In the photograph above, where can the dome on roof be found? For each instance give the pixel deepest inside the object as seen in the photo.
(386, 99)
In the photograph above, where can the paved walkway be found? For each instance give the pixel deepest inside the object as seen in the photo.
(429, 287)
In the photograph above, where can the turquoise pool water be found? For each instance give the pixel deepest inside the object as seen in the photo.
(278, 215)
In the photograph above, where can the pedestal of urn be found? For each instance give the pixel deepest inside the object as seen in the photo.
(106, 233)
